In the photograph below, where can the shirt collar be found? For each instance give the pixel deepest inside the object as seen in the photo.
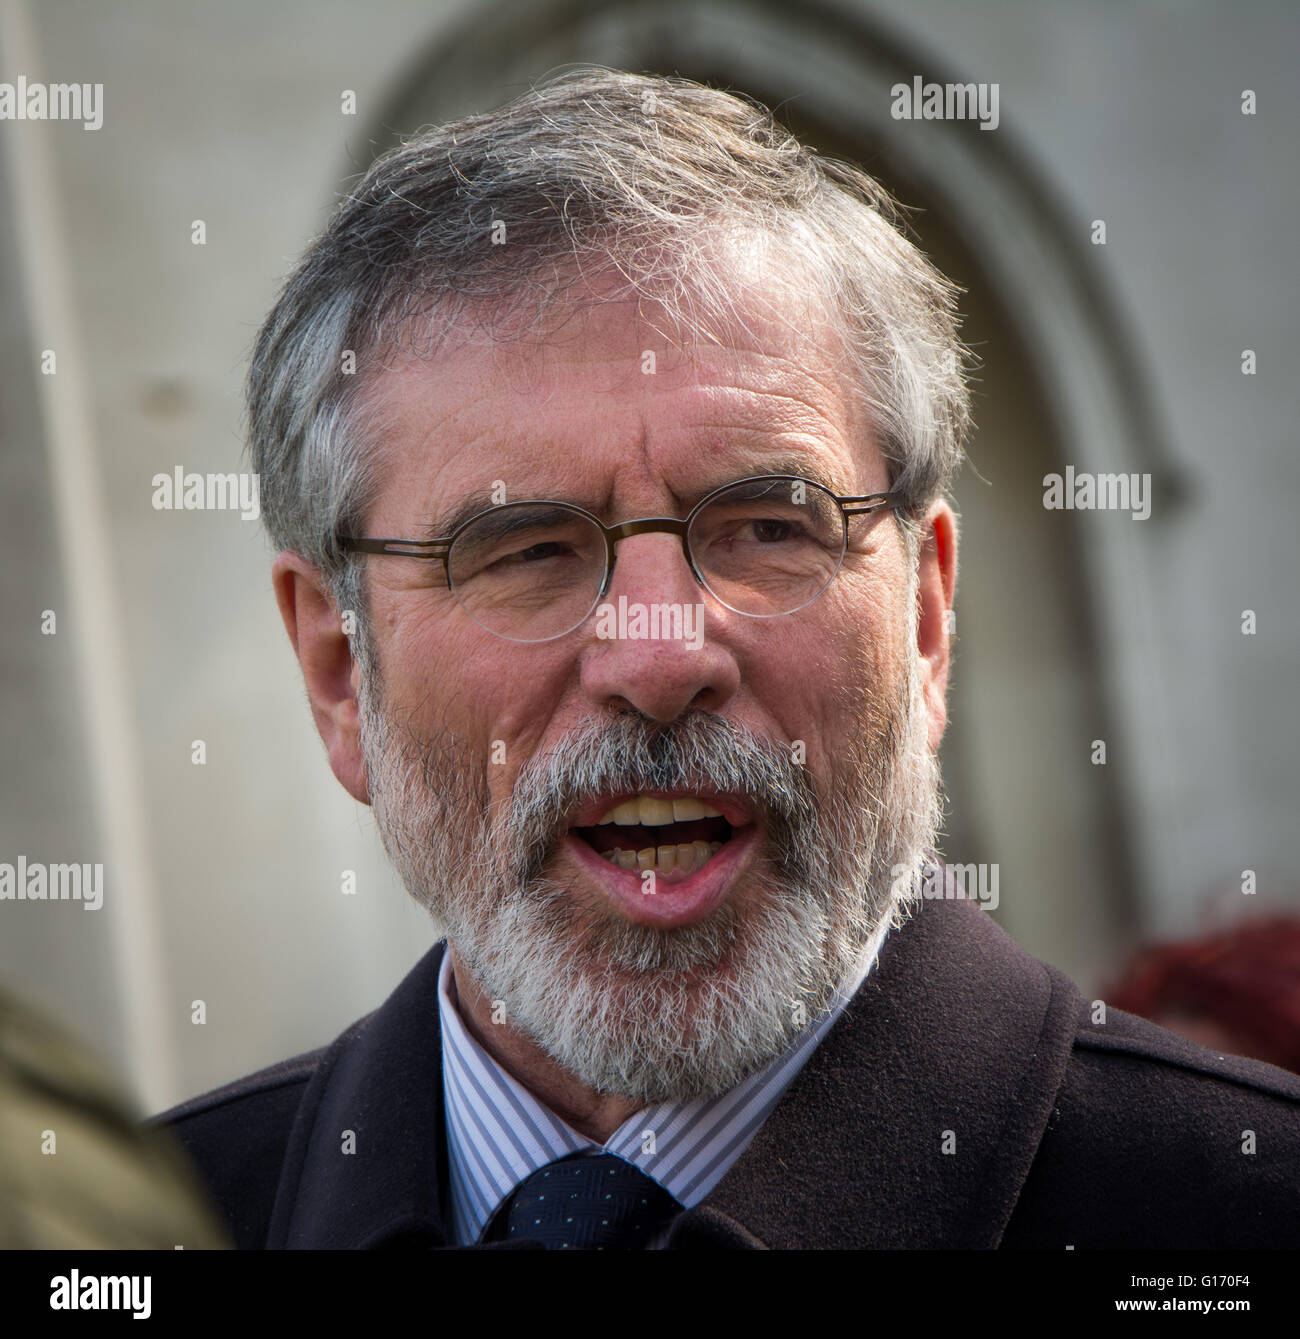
(499, 1133)
(956, 1028)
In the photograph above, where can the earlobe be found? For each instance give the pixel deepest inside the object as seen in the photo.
(328, 669)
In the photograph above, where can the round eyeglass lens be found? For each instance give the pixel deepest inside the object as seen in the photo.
(768, 546)
(528, 571)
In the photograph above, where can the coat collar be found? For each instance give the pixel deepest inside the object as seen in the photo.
(957, 1040)
(380, 1082)
(915, 1122)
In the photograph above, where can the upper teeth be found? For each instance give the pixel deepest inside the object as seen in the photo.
(648, 812)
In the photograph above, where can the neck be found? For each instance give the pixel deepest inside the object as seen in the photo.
(597, 1115)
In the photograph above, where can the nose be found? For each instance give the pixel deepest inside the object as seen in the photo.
(652, 643)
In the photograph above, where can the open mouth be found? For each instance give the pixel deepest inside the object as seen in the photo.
(673, 836)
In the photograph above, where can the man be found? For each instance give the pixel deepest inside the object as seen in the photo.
(603, 439)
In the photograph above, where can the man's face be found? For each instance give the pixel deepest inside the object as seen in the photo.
(491, 763)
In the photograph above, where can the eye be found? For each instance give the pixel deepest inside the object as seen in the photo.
(535, 553)
(772, 531)
(759, 531)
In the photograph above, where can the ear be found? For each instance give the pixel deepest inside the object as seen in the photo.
(936, 587)
(328, 669)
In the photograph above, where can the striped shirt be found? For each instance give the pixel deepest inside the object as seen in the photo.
(498, 1133)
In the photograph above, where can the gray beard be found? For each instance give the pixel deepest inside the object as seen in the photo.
(650, 1014)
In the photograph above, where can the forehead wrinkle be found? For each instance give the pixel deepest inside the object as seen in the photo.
(828, 364)
(816, 455)
(790, 414)
(689, 482)
(793, 401)
(837, 418)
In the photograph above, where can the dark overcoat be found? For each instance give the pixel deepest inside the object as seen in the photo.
(968, 1097)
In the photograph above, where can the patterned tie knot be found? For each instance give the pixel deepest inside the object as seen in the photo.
(586, 1202)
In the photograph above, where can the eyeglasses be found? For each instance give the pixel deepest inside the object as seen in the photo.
(533, 571)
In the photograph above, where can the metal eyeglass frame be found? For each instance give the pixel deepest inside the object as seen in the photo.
(438, 549)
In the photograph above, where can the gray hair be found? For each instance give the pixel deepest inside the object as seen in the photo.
(592, 170)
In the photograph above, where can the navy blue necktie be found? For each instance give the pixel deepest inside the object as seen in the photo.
(585, 1202)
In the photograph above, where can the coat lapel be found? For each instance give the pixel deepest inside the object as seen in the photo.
(382, 1081)
(916, 1120)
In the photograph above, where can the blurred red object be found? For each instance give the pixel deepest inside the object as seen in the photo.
(1235, 990)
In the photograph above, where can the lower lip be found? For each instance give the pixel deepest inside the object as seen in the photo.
(680, 903)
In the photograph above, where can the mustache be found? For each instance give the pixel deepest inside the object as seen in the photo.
(630, 752)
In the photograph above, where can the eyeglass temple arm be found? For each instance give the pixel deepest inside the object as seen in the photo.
(878, 501)
(404, 548)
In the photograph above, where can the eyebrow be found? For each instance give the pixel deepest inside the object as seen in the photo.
(481, 500)
(468, 507)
